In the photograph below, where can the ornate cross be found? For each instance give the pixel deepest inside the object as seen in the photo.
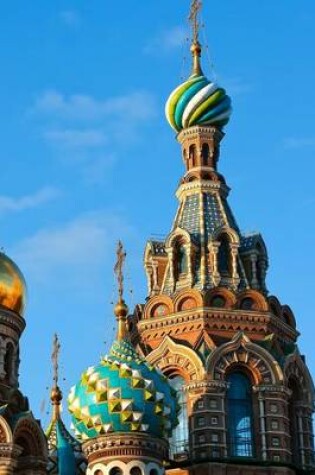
(118, 269)
(55, 358)
(195, 8)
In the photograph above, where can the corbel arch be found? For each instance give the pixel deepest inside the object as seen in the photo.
(173, 358)
(275, 306)
(288, 316)
(229, 232)
(6, 436)
(260, 303)
(295, 368)
(223, 292)
(30, 437)
(242, 352)
(155, 302)
(187, 299)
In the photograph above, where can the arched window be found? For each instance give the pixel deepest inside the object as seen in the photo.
(192, 155)
(218, 301)
(239, 416)
(248, 304)
(179, 440)
(205, 153)
(224, 257)
(115, 471)
(181, 259)
(135, 471)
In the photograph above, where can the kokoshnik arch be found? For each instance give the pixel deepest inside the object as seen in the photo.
(204, 378)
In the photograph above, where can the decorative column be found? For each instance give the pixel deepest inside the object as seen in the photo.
(273, 422)
(214, 250)
(170, 253)
(235, 276)
(207, 419)
(253, 259)
(9, 454)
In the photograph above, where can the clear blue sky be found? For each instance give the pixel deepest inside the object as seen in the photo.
(87, 155)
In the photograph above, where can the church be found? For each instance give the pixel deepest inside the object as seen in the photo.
(206, 376)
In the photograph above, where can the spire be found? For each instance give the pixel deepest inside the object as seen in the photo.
(195, 48)
(121, 309)
(56, 394)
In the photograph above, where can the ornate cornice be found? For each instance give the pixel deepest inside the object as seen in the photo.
(124, 446)
(212, 319)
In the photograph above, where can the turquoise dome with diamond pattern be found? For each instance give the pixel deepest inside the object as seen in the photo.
(123, 393)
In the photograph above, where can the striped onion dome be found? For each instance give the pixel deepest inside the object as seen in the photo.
(198, 101)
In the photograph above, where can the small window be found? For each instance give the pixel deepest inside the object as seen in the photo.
(201, 421)
(218, 301)
(135, 471)
(200, 404)
(114, 471)
(247, 304)
(274, 425)
(276, 458)
(213, 404)
(215, 453)
(203, 455)
(273, 408)
(275, 441)
(202, 439)
(214, 437)
(214, 421)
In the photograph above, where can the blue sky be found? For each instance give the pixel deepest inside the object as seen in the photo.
(87, 155)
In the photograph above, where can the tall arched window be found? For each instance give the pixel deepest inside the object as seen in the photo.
(205, 153)
(240, 416)
(192, 155)
(181, 259)
(224, 257)
(179, 440)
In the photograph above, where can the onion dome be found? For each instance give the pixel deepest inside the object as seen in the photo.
(12, 285)
(65, 454)
(122, 394)
(198, 101)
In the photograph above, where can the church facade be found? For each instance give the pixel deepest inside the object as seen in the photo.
(206, 377)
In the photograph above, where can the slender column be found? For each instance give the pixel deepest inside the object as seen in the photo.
(301, 435)
(262, 423)
(149, 272)
(234, 254)
(253, 259)
(155, 276)
(187, 248)
(215, 270)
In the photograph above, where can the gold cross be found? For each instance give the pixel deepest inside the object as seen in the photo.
(195, 8)
(55, 358)
(118, 269)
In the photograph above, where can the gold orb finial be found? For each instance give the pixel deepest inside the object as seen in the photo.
(56, 394)
(121, 309)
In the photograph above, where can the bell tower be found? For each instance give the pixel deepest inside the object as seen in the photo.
(228, 346)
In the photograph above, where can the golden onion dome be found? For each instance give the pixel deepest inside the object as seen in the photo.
(12, 285)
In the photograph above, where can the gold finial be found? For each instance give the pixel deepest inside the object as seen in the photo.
(56, 394)
(121, 309)
(195, 49)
